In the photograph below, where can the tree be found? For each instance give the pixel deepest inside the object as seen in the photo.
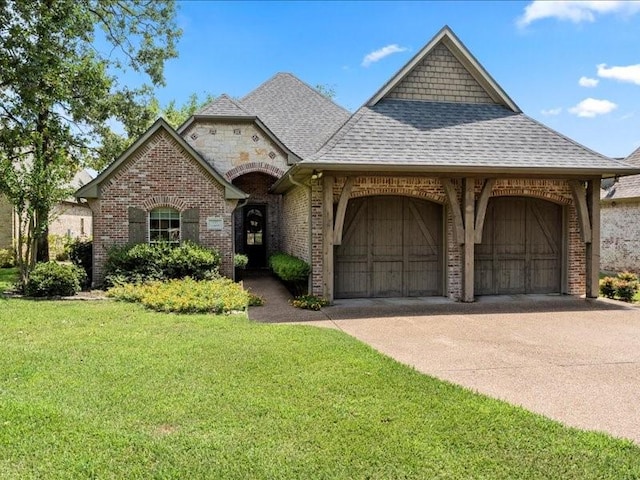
(176, 115)
(326, 90)
(60, 95)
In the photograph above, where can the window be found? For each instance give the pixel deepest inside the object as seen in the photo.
(164, 225)
(254, 225)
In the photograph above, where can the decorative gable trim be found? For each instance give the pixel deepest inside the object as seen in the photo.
(91, 189)
(464, 56)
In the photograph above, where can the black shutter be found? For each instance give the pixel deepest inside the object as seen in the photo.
(191, 225)
(137, 225)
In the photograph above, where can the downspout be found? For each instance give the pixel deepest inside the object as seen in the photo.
(308, 188)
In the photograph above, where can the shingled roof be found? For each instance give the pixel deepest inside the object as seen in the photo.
(442, 134)
(626, 187)
(297, 114)
(225, 106)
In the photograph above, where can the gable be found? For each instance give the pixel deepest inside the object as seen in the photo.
(440, 77)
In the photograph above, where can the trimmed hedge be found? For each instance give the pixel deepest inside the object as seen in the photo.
(52, 279)
(293, 271)
(142, 262)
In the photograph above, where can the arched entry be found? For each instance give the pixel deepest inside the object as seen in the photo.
(391, 247)
(521, 249)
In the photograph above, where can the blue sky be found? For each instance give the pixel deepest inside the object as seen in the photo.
(537, 51)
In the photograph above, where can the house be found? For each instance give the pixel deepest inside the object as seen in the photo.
(69, 218)
(620, 212)
(437, 185)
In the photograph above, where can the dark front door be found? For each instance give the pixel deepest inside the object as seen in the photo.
(254, 233)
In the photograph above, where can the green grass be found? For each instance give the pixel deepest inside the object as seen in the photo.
(110, 390)
(8, 277)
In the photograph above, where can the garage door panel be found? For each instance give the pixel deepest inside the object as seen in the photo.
(387, 279)
(521, 247)
(397, 244)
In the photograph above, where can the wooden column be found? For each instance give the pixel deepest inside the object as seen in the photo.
(469, 239)
(327, 236)
(593, 247)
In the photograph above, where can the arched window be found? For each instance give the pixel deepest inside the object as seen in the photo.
(164, 225)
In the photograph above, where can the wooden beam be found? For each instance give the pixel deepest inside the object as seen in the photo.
(580, 202)
(341, 211)
(456, 213)
(593, 248)
(327, 235)
(469, 237)
(481, 207)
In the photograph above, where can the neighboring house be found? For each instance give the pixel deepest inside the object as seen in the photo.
(69, 218)
(620, 218)
(438, 185)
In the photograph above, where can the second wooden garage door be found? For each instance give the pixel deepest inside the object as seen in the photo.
(521, 249)
(391, 247)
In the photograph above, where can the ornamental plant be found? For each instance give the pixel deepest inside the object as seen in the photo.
(52, 279)
(219, 296)
(309, 302)
(293, 272)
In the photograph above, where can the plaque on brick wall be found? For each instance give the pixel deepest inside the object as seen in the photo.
(215, 223)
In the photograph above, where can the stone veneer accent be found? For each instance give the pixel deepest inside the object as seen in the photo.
(557, 191)
(160, 173)
(620, 236)
(440, 77)
(236, 148)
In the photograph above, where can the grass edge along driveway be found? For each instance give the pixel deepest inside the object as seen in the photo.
(109, 390)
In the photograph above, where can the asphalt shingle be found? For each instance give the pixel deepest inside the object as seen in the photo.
(298, 115)
(625, 187)
(225, 106)
(454, 134)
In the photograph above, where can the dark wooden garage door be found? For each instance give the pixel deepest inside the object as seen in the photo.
(521, 249)
(391, 247)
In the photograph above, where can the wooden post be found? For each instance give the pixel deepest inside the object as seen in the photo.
(593, 248)
(327, 236)
(469, 239)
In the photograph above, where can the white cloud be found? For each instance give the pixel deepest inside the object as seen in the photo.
(552, 111)
(588, 82)
(630, 73)
(591, 107)
(379, 54)
(575, 11)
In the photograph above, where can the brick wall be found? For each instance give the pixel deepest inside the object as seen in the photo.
(235, 148)
(295, 224)
(6, 223)
(620, 237)
(71, 219)
(257, 186)
(430, 188)
(440, 77)
(160, 173)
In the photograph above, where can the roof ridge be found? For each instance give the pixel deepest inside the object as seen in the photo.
(301, 82)
(340, 133)
(219, 99)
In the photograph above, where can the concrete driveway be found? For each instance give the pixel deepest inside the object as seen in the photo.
(573, 360)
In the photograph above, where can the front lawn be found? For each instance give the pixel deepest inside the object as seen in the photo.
(8, 277)
(110, 390)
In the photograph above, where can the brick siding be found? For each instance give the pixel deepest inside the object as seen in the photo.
(295, 224)
(71, 220)
(427, 188)
(440, 77)
(6, 223)
(160, 173)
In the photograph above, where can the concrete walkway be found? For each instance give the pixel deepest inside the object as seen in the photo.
(574, 360)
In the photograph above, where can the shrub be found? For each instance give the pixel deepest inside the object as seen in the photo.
(309, 302)
(608, 287)
(185, 296)
(626, 286)
(255, 300)
(52, 279)
(289, 268)
(7, 258)
(57, 247)
(81, 255)
(240, 260)
(142, 263)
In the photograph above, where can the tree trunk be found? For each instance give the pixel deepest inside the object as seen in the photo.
(43, 245)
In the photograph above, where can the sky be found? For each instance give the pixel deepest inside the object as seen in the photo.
(574, 66)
